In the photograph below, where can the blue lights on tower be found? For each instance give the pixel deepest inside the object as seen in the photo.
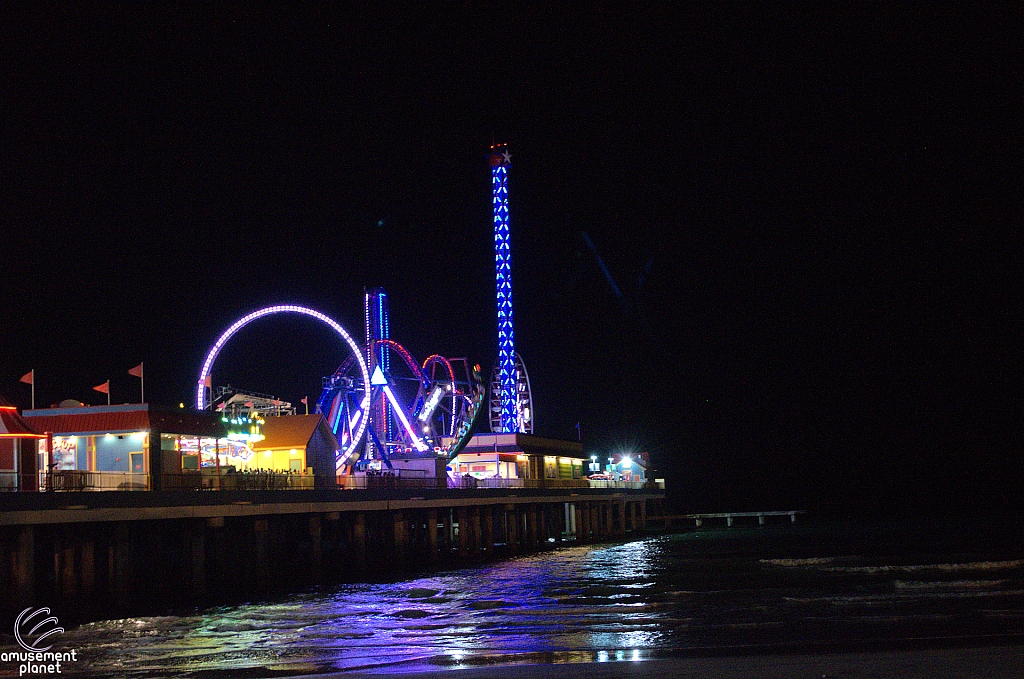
(500, 161)
(378, 327)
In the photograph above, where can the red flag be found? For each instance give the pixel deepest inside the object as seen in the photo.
(208, 382)
(248, 404)
(103, 388)
(136, 371)
(305, 400)
(29, 377)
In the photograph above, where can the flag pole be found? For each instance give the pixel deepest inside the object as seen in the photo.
(104, 389)
(29, 378)
(142, 379)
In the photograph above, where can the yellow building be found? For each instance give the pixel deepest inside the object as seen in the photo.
(297, 443)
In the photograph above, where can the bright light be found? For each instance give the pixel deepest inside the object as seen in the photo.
(626, 463)
(503, 276)
(419, 444)
(428, 408)
(201, 403)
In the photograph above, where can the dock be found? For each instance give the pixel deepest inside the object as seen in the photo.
(672, 521)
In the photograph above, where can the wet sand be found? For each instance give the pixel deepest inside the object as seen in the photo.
(995, 662)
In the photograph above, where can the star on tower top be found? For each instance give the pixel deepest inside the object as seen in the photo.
(507, 156)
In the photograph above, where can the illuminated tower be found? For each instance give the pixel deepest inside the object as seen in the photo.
(377, 328)
(500, 161)
(511, 403)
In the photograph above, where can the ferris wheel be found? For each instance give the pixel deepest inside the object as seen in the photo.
(349, 420)
(523, 401)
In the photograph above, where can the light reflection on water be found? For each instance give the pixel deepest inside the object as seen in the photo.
(575, 599)
(623, 602)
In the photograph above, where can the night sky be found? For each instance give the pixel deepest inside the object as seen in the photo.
(813, 218)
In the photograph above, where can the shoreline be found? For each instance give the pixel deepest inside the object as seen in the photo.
(970, 659)
(977, 662)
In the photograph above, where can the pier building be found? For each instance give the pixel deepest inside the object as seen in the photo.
(18, 466)
(298, 444)
(521, 459)
(123, 447)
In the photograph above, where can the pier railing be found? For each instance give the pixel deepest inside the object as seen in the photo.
(74, 480)
(11, 481)
(385, 481)
(245, 480)
(601, 483)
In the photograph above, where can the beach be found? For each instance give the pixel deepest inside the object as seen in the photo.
(996, 662)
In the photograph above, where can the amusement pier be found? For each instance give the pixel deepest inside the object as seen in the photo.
(400, 465)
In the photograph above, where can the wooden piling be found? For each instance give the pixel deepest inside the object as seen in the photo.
(512, 528)
(487, 523)
(447, 541)
(583, 522)
(399, 532)
(432, 553)
(196, 536)
(462, 514)
(24, 566)
(531, 527)
(260, 528)
(316, 557)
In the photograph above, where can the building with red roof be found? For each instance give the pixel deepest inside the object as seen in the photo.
(126, 446)
(18, 443)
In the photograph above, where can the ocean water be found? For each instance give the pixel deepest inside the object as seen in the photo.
(711, 592)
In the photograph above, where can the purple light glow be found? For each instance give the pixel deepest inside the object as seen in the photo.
(201, 403)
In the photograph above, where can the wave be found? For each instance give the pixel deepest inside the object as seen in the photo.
(950, 584)
(824, 564)
(797, 563)
(937, 567)
(870, 599)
